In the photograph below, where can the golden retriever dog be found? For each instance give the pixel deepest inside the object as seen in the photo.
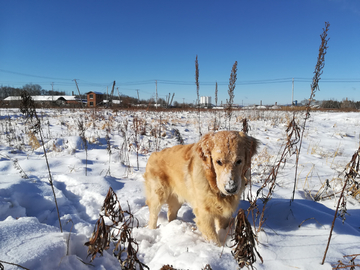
(210, 175)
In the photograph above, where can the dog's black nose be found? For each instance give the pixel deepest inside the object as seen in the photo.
(231, 190)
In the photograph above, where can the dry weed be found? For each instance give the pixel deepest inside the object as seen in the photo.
(119, 232)
(27, 107)
(348, 265)
(167, 267)
(14, 264)
(351, 174)
(286, 151)
(244, 250)
(33, 141)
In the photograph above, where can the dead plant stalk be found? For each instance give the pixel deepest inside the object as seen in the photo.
(293, 133)
(350, 175)
(197, 90)
(119, 232)
(314, 87)
(27, 107)
(82, 128)
(232, 84)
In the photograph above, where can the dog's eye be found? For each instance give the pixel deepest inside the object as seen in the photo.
(219, 162)
(238, 162)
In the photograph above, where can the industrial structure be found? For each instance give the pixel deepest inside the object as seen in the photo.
(205, 101)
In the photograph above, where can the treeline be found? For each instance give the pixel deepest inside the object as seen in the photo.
(126, 101)
(32, 89)
(345, 104)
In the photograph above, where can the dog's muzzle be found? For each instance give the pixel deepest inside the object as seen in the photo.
(231, 190)
(231, 187)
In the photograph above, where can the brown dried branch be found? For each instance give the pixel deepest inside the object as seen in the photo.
(352, 171)
(82, 129)
(100, 239)
(27, 107)
(293, 133)
(197, 89)
(351, 264)
(112, 207)
(314, 87)
(2, 267)
(207, 267)
(167, 267)
(244, 250)
(232, 84)
(121, 236)
(246, 126)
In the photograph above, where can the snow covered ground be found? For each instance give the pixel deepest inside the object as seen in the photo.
(29, 229)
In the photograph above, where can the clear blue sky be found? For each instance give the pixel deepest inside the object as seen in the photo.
(136, 42)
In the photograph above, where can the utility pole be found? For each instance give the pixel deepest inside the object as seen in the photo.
(137, 90)
(292, 96)
(52, 91)
(171, 99)
(168, 100)
(110, 99)
(82, 105)
(117, 88)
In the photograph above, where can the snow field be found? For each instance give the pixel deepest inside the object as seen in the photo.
(29, 229)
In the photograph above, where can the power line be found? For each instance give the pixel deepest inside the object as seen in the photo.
(68, 82)
(30, 75)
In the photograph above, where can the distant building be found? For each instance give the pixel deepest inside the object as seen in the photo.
(94, 99)
(205, 101)
(59, 100)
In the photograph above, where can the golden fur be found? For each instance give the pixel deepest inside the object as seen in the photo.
(210, 175)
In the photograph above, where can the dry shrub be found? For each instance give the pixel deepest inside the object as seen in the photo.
(262, 161)
(170, 267)
(178, 136)
(167, 267)
(348, 265)
(19, 169)
(17, 265)
(288, 149)
(27, 107)
(351, 173)
(33, 141)
(119, 233)
(246, 126)
(244, 250)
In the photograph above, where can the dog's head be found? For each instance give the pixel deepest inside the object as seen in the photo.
(226, 158)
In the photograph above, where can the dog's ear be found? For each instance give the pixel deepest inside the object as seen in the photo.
(203, 149)
(204, 146)
(251, 145)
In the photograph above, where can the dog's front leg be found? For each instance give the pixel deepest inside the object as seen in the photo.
(206, 225)
(222, 222)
